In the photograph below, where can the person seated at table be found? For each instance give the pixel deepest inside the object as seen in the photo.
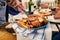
(14, 7)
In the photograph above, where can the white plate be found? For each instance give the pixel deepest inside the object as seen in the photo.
(51, 19)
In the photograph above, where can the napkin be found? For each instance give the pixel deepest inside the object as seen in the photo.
(34, 34)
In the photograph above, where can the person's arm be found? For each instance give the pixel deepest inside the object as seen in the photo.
(21, 8)
(16, 5)
(11, 3)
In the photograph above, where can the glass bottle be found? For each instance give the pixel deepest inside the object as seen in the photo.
(31, 6)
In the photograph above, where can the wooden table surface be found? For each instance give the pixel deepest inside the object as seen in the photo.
(5, 35)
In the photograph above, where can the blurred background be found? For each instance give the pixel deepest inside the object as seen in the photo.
(25, 4)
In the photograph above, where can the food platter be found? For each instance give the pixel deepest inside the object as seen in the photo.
(33, 21)
(25, 26)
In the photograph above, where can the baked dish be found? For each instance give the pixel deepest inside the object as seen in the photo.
(33, 21)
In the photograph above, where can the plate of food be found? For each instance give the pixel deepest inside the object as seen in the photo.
(45, 12)
(33, 21)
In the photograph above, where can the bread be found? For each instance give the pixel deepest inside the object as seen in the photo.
(22, 24)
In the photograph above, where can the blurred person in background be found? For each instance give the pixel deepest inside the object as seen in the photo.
(59, 2)
(43, 6)
(2, 12)
(38, 2)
